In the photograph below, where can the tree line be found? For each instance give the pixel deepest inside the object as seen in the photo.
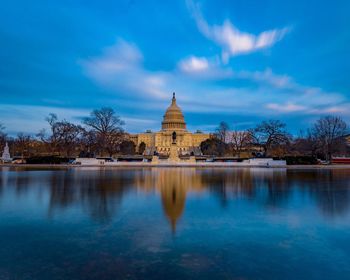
(325, 138)
(102, 134)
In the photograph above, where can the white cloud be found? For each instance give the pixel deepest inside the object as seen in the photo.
(340, 109)
(287, 107)
(194, 64)
(232, 40)
(203, 86)
(202, 68)
(120, 57)
(310, 108)
(336, 110)
(120, 68)
(267, 76)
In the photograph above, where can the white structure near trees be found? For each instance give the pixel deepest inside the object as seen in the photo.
(6, 157)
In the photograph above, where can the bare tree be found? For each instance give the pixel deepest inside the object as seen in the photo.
(114, 141)
(305, 144)
(329, 132)
(108, 128)
(65, 136)
(222, 131)
(22, 144)
(240, 140)
(269, 134)
(89, 143)
(104, 121)
(50, 142)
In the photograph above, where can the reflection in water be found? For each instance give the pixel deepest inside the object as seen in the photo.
(329, 188)
(173, 186)
(100, 191)
(95, 190)
(91, 223)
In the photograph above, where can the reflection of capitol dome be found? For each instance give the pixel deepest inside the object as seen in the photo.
(173, 118)
(173, 185)
(173, 200)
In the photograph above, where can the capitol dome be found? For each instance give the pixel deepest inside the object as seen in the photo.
(173, 118)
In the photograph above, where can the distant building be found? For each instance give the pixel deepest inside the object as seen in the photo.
(173, 131)
(347, 138)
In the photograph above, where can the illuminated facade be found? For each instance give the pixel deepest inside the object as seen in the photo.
(173, 132)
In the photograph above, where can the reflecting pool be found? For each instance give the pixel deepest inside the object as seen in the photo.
(174, 223)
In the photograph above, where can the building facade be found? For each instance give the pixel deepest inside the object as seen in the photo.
(173, 131)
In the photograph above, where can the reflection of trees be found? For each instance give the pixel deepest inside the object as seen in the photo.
(216, 180)
(267, 186)
(330, 188)
(21, 182)
(4, 174)
(99, 191)
(276, 183)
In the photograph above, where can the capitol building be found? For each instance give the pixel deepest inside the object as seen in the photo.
(173, 132)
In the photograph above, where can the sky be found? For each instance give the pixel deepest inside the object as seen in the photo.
(239, 61)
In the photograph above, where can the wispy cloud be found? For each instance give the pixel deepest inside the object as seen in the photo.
(232, 40)
(342, 109)
(205, 86)
(286, 107)
(267, 76)
(203, 68)
(194, 64)
(137, 77)
(120, 68)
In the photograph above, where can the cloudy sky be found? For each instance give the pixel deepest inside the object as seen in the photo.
(240, 61)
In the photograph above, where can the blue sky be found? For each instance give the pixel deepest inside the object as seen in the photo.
(237, 61)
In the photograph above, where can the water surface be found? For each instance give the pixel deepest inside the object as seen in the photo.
(174, 223)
